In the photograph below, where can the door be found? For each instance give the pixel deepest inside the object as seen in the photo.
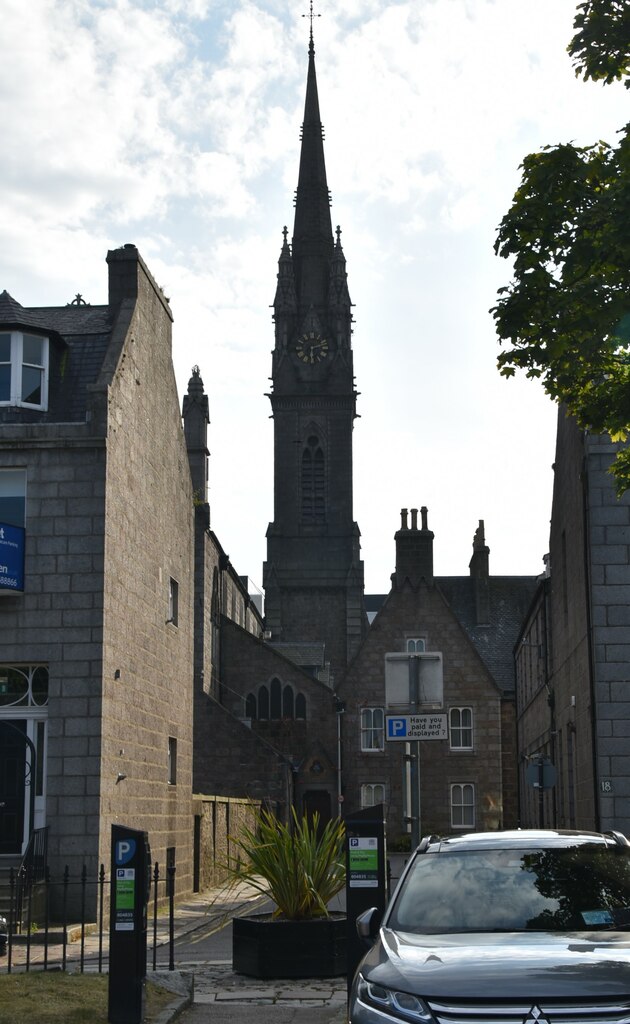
(12, 785)
(317, 801)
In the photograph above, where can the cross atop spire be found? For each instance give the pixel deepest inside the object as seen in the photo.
(311, 15)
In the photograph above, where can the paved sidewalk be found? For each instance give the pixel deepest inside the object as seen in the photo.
(208, 991)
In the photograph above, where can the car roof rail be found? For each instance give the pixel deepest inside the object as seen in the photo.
(425, 842)
(618, 837)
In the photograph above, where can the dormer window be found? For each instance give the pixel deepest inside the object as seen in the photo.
(23, 370)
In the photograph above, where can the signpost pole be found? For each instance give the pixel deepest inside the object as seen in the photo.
(414, 693)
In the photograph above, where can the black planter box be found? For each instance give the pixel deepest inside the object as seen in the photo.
(266, 947)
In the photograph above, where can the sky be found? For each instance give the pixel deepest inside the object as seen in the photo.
(175, 125)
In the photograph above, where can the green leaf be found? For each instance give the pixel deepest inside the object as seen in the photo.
(300, 867)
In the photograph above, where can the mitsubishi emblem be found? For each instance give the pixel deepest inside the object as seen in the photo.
(535, 1016)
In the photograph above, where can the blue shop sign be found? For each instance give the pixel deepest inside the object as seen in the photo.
(11, 557)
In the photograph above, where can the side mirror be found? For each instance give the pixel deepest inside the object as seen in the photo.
(368, 924)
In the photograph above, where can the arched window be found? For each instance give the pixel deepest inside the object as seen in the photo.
(463, 805)
(263, 702)
(372, 729)
(275, 705)
(287, 702)
(461, 728)
(313, 505)
(372, 793)
(275, 702)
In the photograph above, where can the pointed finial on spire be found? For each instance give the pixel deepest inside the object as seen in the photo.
(285, 232)
(338, 234)
(311, 15)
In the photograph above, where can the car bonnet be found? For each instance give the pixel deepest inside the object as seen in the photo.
(503, 965)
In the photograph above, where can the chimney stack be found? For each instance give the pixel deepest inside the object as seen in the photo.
(414, 550)
(480, 575)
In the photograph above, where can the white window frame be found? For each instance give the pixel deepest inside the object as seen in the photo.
(16, 364)
(372, 736)
(458, 730)
(463, 805)
(415, 645)
(373, 793)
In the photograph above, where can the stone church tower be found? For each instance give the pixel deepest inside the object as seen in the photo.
(313, 576)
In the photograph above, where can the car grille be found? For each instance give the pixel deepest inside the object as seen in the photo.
(547, 1011)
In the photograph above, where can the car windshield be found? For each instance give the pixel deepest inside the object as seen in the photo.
(575, 888)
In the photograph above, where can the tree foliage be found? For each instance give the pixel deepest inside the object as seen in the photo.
(566, 312)
(601, 44)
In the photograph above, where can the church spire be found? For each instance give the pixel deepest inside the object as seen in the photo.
(313, 575)
(312, 230)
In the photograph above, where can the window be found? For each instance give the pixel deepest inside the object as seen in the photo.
(173, 601)
(23, 686)
(172, 761)
(463, 805)
(275, 702)
(12, 497)
(372, 729)
(372, 793)
(313, 482)
(461, 728)
(23, 370)
(415, 646)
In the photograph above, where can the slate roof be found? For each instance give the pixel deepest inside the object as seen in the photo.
(305, 654)
(509, 601)
(79, 338)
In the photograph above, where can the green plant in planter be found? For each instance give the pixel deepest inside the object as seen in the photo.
(300, 867)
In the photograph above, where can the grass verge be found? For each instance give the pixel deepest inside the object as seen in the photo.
(52, 997)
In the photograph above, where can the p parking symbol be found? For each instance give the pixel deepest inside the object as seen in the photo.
(125, 850)
(397, 727)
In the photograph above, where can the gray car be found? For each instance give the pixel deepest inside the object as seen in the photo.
(520, 927)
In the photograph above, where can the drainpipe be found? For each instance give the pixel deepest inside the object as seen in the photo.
(340, 708)
(589, 633)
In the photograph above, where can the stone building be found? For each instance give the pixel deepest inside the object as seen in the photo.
(467, 780)
(96, 640)
(572, 665)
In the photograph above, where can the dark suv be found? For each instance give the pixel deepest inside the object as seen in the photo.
(522, 927)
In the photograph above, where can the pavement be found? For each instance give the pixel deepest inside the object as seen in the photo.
(207, 990)
(213, 992)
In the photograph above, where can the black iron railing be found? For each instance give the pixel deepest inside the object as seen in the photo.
(30, 875)
(46, 941)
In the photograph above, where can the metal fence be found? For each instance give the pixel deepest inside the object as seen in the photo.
(38, 939)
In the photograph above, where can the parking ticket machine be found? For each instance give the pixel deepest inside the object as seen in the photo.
(130, 881)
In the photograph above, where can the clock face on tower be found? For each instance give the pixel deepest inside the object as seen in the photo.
(311, 348)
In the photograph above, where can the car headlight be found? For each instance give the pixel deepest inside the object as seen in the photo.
(402, 1005)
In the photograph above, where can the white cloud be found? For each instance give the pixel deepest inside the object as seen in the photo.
(175, 124)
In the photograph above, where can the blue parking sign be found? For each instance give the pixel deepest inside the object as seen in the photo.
(396, 728)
